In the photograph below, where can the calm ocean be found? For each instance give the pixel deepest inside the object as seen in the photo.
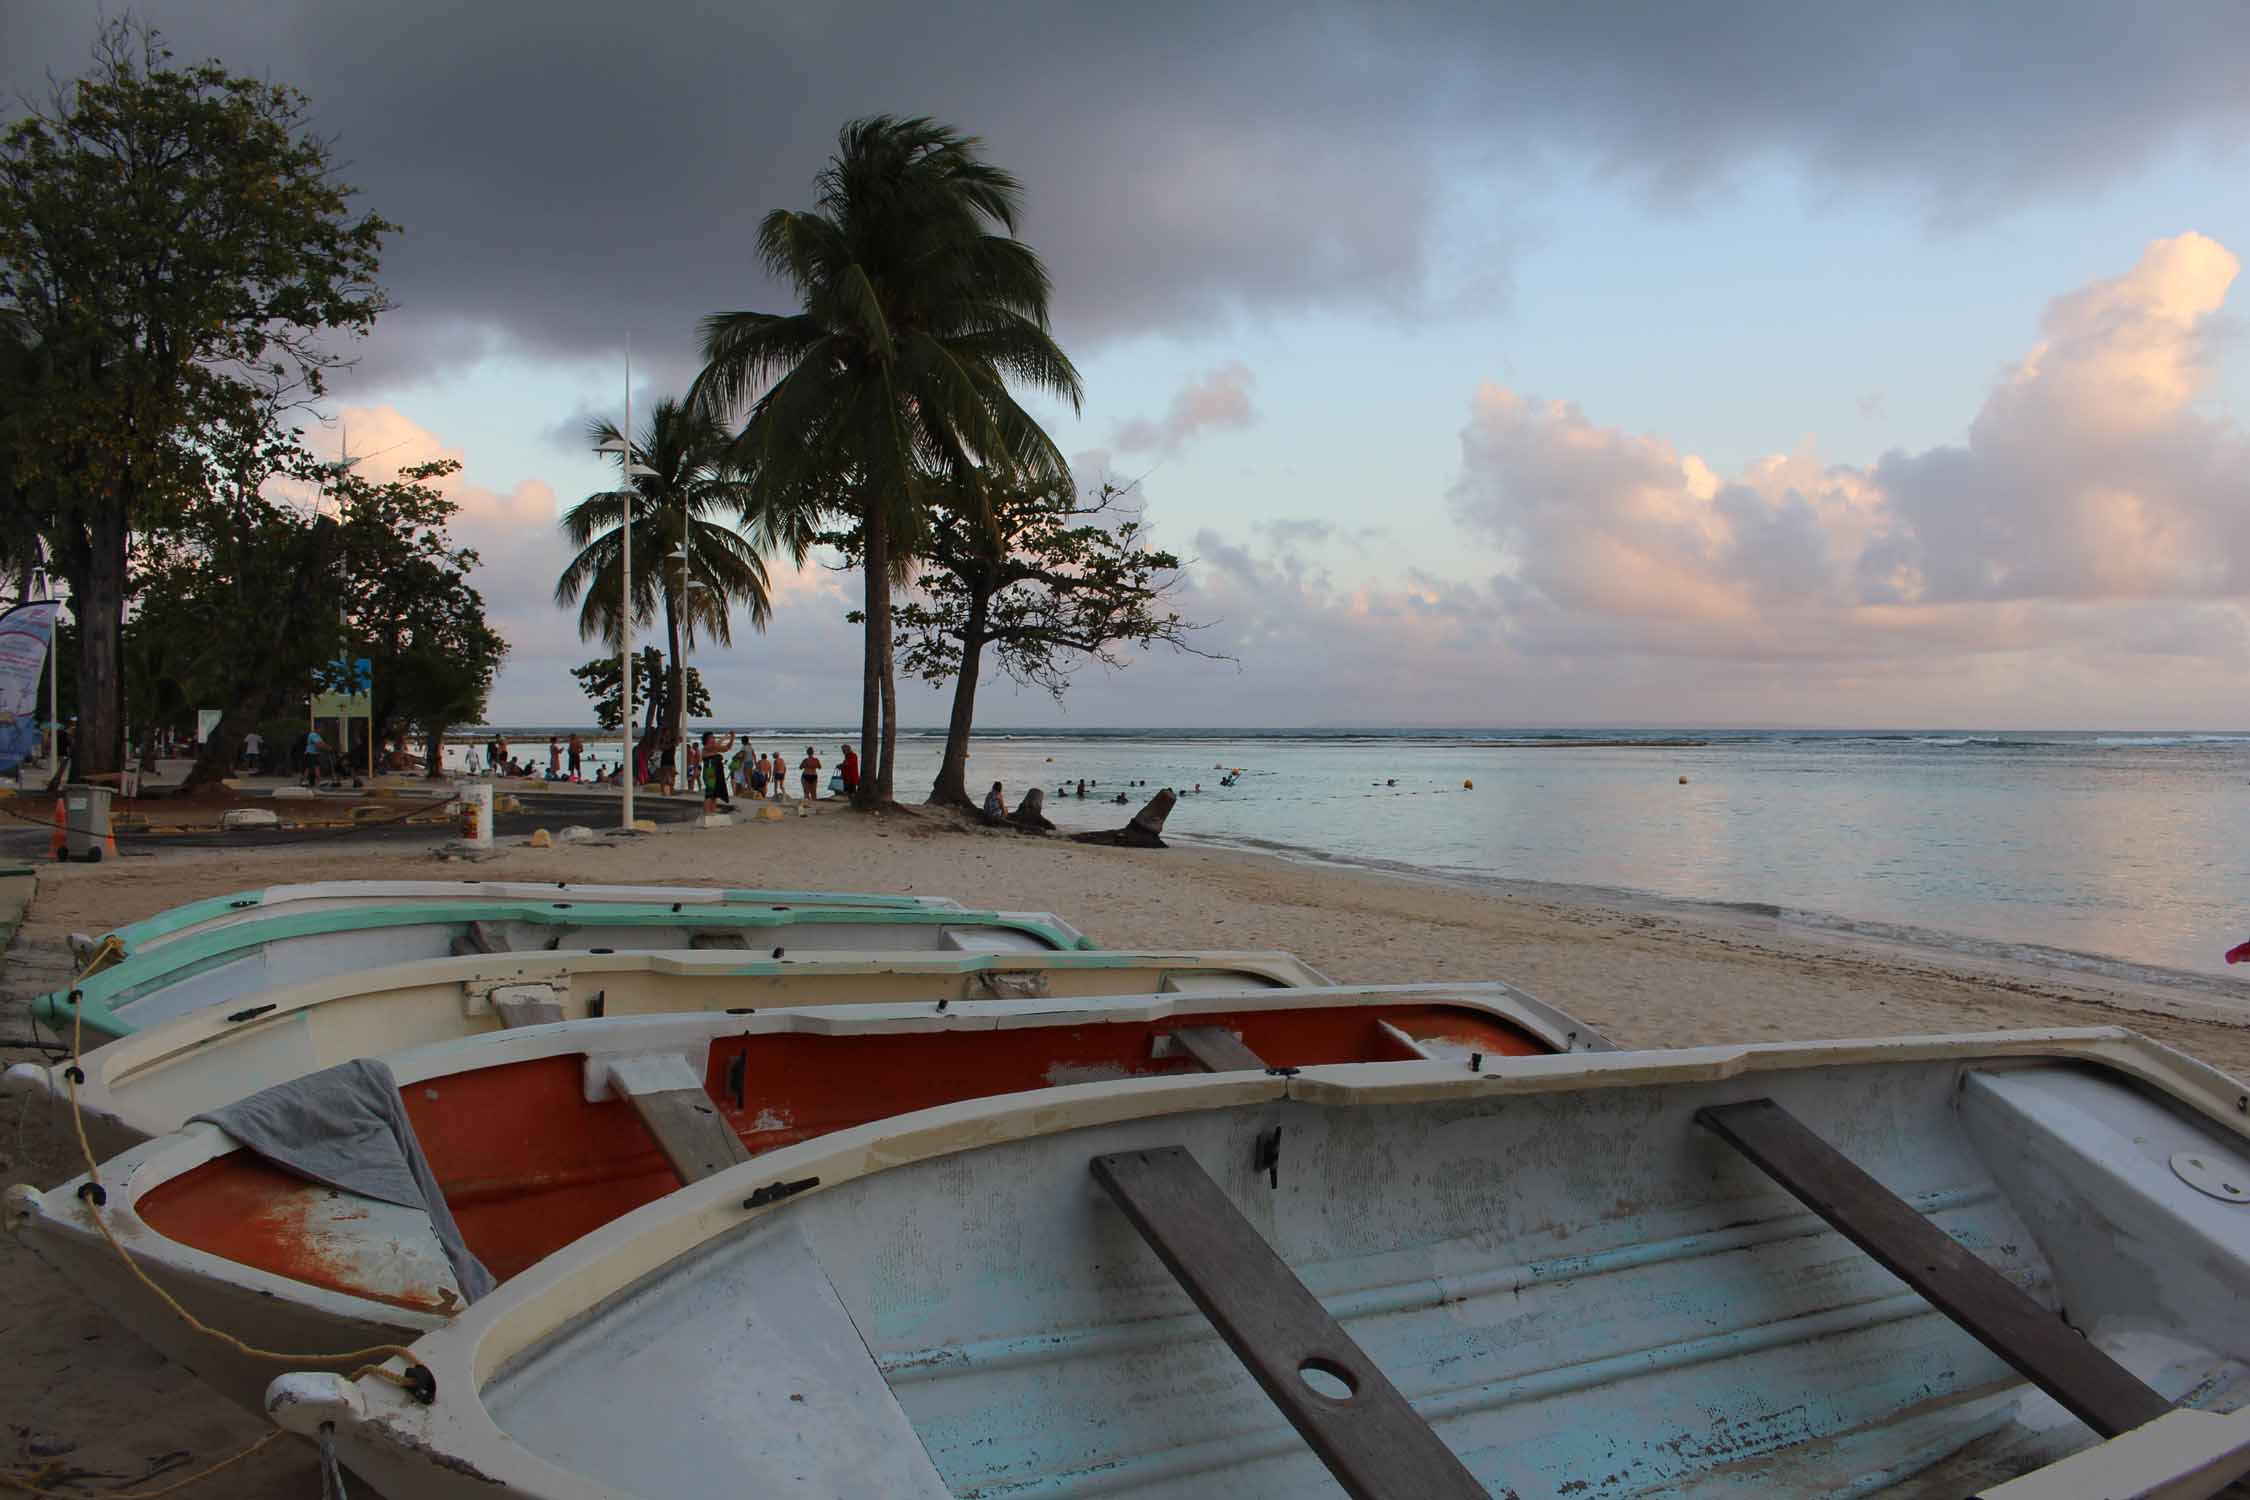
(2128, 846)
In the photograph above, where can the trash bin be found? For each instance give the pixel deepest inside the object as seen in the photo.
(86, 821)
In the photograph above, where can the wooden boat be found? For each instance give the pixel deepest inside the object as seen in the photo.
(136, 938)
(1546, 1277)
(153, 1081)
(227, 963)
(537, 1136)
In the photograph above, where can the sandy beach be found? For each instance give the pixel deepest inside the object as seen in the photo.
(92, 1409)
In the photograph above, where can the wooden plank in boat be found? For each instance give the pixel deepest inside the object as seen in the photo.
(664, 1091)
(1218, 1049)
(1999, 1314)
(1377, 1445)
(482, 937)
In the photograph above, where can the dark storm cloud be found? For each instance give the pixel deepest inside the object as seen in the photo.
(570, 172)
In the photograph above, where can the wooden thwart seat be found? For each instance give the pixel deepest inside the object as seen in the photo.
(668, 1096)
(1994, 1310)
(482, 937)
(1216, 1048)
(1377, 1446)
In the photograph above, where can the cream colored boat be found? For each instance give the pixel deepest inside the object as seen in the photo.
(152, 1081)
(1553, 1278)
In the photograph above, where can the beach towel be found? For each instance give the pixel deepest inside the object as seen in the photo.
(346, 1128)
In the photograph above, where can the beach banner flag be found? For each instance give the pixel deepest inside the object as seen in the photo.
(25, 632)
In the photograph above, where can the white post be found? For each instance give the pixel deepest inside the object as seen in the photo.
(476, 812)
(687, 633)
(625, 596)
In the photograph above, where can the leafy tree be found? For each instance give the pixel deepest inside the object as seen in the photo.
(1044, 580)
(227, 606)
(597, 679)
(181, 252)
(693, 481)
(918, 306)
(410, 609)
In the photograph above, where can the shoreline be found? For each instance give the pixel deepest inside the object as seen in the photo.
(2182, 993)
(1646, 972)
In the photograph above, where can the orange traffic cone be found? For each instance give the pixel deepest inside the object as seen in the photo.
(57, 845)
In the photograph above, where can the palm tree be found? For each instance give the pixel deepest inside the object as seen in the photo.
(693, 481)
(918, 307)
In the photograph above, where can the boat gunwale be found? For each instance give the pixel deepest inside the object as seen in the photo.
(473, 1350)
(163, 924)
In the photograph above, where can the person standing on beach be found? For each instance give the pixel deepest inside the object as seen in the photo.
(554, 758)
(714, 766)
(577, 755)
(808, 771)
(848, 768)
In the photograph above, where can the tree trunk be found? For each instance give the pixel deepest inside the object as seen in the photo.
(98, 748)
(222, 747)
(1144, 832)
(883, 783)
(952, 786)
(433, 766)
(877, 563)
(1032, 811)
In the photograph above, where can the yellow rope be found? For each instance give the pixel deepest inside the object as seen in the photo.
(71, 1076)
(18, 1482)
(93, 1211)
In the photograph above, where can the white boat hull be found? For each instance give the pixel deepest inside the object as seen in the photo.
(1583, 1290)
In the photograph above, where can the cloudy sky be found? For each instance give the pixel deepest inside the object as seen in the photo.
(1754, 363)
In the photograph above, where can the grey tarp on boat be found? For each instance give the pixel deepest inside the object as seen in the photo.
(345, 1127)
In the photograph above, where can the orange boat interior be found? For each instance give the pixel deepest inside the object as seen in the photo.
(528, 1166)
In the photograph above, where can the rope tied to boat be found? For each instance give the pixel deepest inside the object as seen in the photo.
(331, 1472)
(417, 1382)
(25, 1486)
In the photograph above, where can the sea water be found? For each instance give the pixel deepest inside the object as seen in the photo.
(2130, 846)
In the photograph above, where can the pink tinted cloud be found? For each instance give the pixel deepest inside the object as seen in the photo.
(1219, 399)
(2090, 478)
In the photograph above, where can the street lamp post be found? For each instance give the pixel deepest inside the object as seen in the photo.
(622, 446)
(690, 586)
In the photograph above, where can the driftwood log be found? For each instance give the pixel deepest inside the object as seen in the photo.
(1144, 832)
(1032, 811)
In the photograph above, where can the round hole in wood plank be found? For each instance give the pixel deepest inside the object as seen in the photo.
(1325, 1377)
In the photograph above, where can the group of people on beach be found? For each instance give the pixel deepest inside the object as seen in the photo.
(703, 762)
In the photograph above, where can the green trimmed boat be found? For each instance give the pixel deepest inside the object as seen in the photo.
(219, 954)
